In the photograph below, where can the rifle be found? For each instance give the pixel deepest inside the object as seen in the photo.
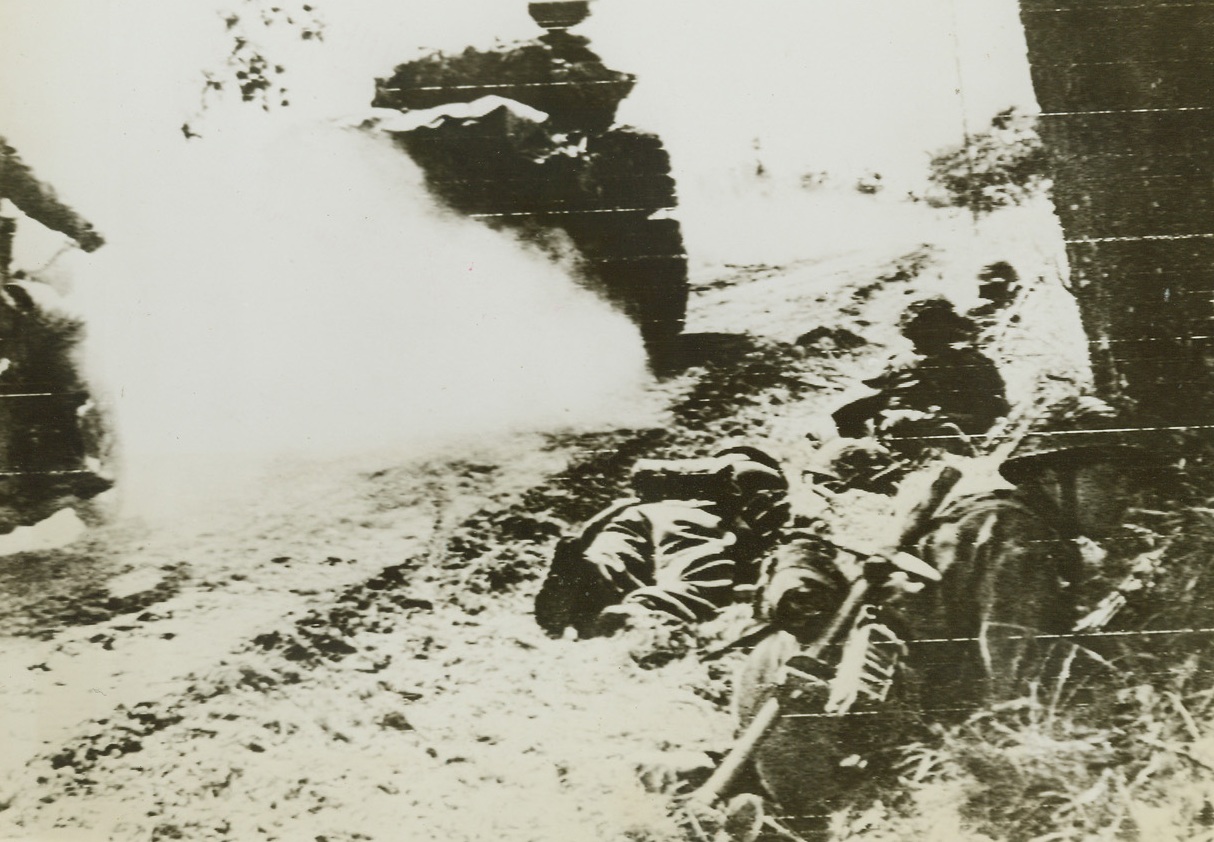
(917, 525)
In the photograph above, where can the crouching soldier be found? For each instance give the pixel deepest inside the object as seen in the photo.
(1011, 562)
(948, 389)
(818, 697)
(1002, 572)
(695, 531)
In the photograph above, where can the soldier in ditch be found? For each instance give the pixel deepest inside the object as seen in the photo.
(1011, 561)
(948, 387)
(999, 287)
(677, 551)
(1008, 570)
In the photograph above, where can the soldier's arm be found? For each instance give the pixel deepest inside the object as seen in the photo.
(1020, 567)
(38, 201)
(623, 550)
(1018, 588)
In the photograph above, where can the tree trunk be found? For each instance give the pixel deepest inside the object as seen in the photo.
(1127, 98)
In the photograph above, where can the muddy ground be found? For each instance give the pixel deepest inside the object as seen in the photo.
(347, 652)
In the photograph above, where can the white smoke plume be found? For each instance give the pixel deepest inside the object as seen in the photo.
(284, 286)
(309, 299)
(279, 286)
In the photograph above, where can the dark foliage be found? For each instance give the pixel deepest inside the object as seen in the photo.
(997, 168)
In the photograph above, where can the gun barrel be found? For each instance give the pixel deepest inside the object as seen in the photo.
(727, 773)
(749, 740)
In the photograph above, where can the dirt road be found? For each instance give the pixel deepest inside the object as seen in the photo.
(346, 651)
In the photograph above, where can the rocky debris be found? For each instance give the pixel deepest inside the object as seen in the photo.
(906, 268)
(112, 739)
(754, 374)
(369, 606)
(137, 582)
(48, 590)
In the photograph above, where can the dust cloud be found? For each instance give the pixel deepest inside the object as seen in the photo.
(299, 295)
(282, 286)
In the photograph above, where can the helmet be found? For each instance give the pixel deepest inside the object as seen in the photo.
(751, 453)
(935, 317)
(1000, 270)
(997, 280)
(724, 477)
(761, 504)
(864, 464)
(753, 469)
(560, 14)
(1079, 430)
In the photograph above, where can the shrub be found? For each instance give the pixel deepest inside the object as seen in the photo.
(998, 168)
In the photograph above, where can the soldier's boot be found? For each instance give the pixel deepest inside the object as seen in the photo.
(558, 603)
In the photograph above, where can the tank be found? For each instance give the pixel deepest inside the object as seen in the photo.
(542, 156)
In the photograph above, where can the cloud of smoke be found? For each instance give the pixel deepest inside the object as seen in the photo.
(292, 290)
(284, 286)
(297, 293)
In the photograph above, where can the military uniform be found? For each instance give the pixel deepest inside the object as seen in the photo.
(1009, 564)
(800, 760)
(961, 386)
(43, 403)
(38, 201)
(682, 558)
(949, 382)
(1008, 561)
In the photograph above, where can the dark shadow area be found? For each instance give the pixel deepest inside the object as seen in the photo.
(46, 591)
(676, 354)
(536, 151)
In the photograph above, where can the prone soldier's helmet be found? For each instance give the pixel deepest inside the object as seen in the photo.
(743, 481)
(761, 487)
(753, 467)
(1077, 431)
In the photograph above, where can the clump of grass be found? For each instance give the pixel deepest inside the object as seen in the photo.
(1028, 771)
(1118, 744)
